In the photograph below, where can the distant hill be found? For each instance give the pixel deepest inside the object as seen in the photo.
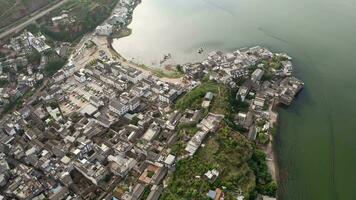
(13, 10)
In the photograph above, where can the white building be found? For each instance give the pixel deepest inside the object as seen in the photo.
(257, 75)
(118, 108)
(105, 29)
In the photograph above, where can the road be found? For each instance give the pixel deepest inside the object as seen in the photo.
(85, 56)
(33, 17)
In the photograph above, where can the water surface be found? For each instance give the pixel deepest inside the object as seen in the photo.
(316, 142)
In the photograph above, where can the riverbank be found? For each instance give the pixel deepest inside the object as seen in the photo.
(271, 158)
(270, 150)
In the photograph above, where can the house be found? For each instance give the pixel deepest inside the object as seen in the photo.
(58, 192)
(59, 76)
(244, 90)
(173, 120)
(104, 30)
(79, 76)
(137, 191)
(211, 194)
(94, 172)
(257, 75)
(120, 165)
(155, 193)
(104, 120)
(151, 132)
(217, 194)
(134, 103)
(89, 109)
(212, 175)
(118, 108)
(170, 159)
(209, 96)
(96, 101)
(57, 20)
(169, 96)
(207, 99)
(195, 142)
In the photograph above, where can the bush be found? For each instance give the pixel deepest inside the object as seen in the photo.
(264, 182)
(34, 57)
(54, 65)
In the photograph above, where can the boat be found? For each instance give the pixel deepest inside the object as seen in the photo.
(201, 50)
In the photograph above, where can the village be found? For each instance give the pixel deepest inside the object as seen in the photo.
(106, 131)
(84, 123)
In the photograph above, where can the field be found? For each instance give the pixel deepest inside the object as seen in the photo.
(12, 10)
(194, 98)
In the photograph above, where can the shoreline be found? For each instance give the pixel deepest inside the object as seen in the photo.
(269, 149)
(271, 153)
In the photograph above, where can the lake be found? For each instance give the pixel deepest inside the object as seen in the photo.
(316, 141)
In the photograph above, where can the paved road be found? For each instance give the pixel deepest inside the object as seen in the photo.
(34, 16)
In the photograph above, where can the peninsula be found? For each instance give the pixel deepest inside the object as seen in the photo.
(93, 125)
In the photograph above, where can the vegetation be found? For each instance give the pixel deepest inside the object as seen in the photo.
(11, 11)
(162, 73)
(54, 64)
(2, 55)
(121, 32)
(33, 28)
(146, 192)
(85, 16)
(16, 103)
(184, 131)
(274, 63)
(241, 164)
(263, 138)
(194, 98)
(150, 174)
(226, 151)
(167, 73)
(34, 57)
(135, 120)
(264, 183)
(3, 82)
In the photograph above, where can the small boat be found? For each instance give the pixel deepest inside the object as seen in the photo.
(166, 57)
(200, 50)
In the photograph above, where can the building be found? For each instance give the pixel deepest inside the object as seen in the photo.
(120, 165)
(169, 96)
(104, 30)
(151, 132)
(257, 75)
(118, 108)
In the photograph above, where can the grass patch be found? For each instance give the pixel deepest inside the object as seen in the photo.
(194, 98)
(54, 64)
(264, 182)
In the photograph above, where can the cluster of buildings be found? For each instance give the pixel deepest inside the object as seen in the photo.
(86, 131)
(106, 131)
(21, 68)
(261, 78)
(23, 65)
(63, 19)
(120, 17)
(93, 127)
